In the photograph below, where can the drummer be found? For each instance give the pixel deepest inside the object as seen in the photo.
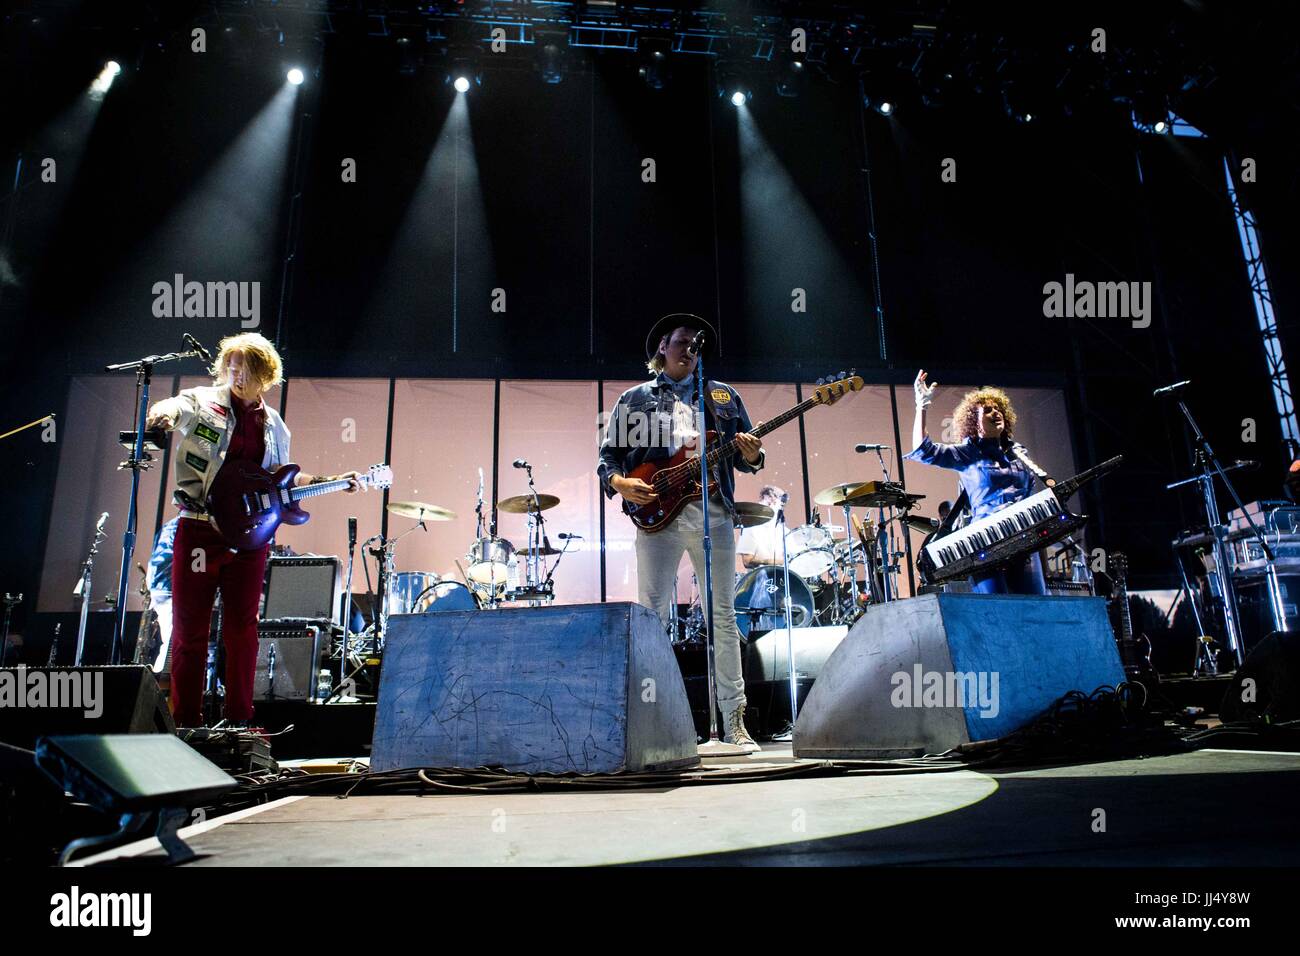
(761, 544)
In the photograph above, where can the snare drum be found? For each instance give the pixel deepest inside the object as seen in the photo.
(760, 600)
(810, 552)
(489, 561)
(405, 589)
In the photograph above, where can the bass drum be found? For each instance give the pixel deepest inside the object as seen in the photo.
(760, 600)
(447, 596)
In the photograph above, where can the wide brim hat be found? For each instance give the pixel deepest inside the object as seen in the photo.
(678, 320)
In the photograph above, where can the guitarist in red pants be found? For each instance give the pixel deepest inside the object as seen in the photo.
(227, 421)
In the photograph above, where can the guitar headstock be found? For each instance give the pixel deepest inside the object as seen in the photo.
(1118, 562)
(830, 392)
(378, 476)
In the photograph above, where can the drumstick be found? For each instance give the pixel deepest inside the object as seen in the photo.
(463, 579)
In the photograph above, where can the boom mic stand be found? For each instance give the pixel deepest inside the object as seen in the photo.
(789, 625)
(1208, 463)
(715, 747)
(137, 462)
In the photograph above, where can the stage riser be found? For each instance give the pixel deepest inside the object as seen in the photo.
(588, 688)
(1023, 653)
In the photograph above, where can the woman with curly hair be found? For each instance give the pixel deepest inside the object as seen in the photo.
(987, 468)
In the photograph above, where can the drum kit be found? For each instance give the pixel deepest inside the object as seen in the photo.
(490, 575)
(823, 583)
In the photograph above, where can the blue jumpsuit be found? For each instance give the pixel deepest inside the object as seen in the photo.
(992, 481)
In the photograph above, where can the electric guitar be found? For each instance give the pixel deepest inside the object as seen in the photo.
(247, 503)
(677, 481)
(1134, 653)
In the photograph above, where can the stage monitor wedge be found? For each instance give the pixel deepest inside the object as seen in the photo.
(580, 688)
(926, 674)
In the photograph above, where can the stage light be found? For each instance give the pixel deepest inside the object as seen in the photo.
(885, 108)
(791, 79)
(461, 84)
(1160, 126)
(738, 98)
(99, 86)
(875, 94)
(295, 76)
(552, 56)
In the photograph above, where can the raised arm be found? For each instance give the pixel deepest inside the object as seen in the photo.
(924, 395)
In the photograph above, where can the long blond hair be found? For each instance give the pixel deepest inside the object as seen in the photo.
(263, 360)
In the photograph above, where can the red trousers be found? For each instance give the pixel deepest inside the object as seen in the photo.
(201, 563)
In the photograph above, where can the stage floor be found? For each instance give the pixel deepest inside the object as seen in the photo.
(1210, 807)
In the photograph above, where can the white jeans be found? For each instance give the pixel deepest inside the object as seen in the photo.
(657, 558)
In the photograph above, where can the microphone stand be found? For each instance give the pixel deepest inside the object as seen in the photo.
(715, 746)
(1208, 463)
(789, 625)
(83, 589)
(137, 462)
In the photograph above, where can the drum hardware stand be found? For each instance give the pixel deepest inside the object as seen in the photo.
(136, 462)
(9, 601)
(1208, 464)
(347, 588)
(384, 556)
(83, 589)
(715, 747)
(1203, 662)
(493, 600)
(789, 628)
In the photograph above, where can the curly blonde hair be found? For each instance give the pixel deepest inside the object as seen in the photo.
(965, 418)
(263, 360)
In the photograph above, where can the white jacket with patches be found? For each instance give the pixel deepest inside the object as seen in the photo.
(204, 419)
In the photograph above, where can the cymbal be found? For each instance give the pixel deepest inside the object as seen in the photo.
(751, 513)
(420, 511)
(835, 494)
(523, 504)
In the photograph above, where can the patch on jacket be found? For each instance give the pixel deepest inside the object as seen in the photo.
(219, 409)
(721, 396)
(194, 461)
(207, 433)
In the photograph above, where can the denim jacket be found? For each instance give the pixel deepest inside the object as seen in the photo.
(623, 446)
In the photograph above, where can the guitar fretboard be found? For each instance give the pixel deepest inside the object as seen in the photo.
(322, 488)
(722, 452)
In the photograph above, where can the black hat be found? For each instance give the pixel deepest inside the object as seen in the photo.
(679, 320)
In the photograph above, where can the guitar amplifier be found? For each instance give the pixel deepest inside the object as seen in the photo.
(289, 658)
(302, 588)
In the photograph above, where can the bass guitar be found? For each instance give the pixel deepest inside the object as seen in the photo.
(247, 503)
(677, 481)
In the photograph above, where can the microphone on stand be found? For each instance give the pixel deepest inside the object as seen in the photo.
(1171, 389)
(697, 343)
(520, 463)
(99, 526)
(565, 536)
(861, 448)
(352, 533)
(197, 346)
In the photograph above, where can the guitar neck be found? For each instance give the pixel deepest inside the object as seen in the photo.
(725, 451)
(322, 488)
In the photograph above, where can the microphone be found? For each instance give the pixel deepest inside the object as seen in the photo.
(697, 343)
(565, 536)
(520, 463)
(197, 346)
(352, 533)
(1171, 389)
(864, 448)
(99, 526)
